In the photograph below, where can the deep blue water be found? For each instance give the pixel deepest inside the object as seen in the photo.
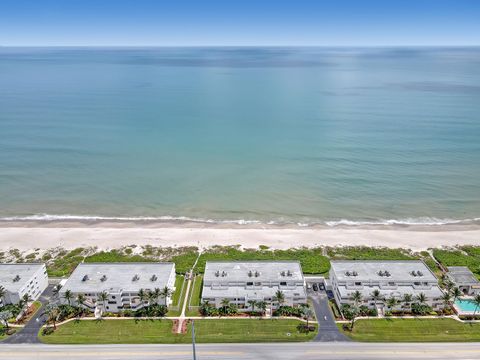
(269, 134)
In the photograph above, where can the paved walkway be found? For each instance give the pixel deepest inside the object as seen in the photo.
(327, 328)
(28, 335)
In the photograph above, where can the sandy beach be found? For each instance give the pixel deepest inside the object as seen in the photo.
(27, 236)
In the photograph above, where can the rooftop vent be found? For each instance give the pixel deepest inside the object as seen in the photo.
(217, 273)
(257, 274)
(154, 278)
(16, 278)
(103, 278)
(351, 273)
(289, 273)
(224, 274)
(419, 273)
(250, 274)
(384, 273)
(85, 278)
(136, 277)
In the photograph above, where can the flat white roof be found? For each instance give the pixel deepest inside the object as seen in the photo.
(393, 270)
(231, 271)
(117, 277)
(9, 272)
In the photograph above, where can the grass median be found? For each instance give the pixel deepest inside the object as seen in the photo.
(413, 330)
(160, 332)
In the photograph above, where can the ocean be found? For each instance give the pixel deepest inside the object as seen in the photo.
(246, 135)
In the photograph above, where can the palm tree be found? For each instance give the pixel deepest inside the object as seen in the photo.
(26, 298)
(262, 305)
(280, 297)
(307, 313)
(447, 298)
(252, 304)
(5, 316)
(456, 293)
(153, 296)
(376, 295)
(165, 293)
(67, 295)
(81, 299)
(357, 297)
(52, 312)
(391, 302)
(407, 300)
(103, 297)
(476, 302)
(2, 293)
(143, 296)
(421, 298)
(225, 305)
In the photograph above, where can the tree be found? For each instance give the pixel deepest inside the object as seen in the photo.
(280, 297)
(350, 313)
(407, 300)
(476, 302)
(5, 316)
(143, 296)
(81, 299)
(456, 293)
(252, 304)
(262, 305)
(103, 297)
(2, 293)
(153, 296)
(422, 298)
(67, 295)
(307, 314)
(391, 302)
(447, 298)
(376, 295)
(357, 297)
(165, 293)
(52, 312)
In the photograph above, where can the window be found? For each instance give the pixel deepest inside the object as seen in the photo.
(258, 284)
(249, 283)
(391, 283)
(283, 283)
(358, 283)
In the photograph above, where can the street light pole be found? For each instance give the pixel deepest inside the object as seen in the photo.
(193, 340)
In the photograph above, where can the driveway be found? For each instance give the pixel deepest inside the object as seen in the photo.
(327, 328)
(28, 335)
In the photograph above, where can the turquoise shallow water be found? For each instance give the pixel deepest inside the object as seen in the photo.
(465, 305)
(256, 134)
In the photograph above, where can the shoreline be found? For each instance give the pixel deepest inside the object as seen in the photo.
(108, 235)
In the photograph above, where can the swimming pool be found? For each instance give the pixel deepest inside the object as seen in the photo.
(466, 305)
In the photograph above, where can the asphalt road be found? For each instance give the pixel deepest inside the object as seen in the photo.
(305, 351)
(30, 331)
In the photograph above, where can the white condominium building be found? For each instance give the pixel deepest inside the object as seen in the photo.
(21, 279)
(241, 281)
(390, 278)
(121, 282)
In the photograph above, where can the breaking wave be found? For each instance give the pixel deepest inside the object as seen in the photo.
(429, 221)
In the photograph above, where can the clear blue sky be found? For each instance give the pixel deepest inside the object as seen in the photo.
(245, 22)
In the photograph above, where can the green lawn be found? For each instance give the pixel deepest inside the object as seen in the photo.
(114, 332)
(194, 296)
(249, 330)
(463, 256)
(413, 330)
(160, 331)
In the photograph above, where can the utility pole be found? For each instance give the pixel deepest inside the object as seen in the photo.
(193, 340)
